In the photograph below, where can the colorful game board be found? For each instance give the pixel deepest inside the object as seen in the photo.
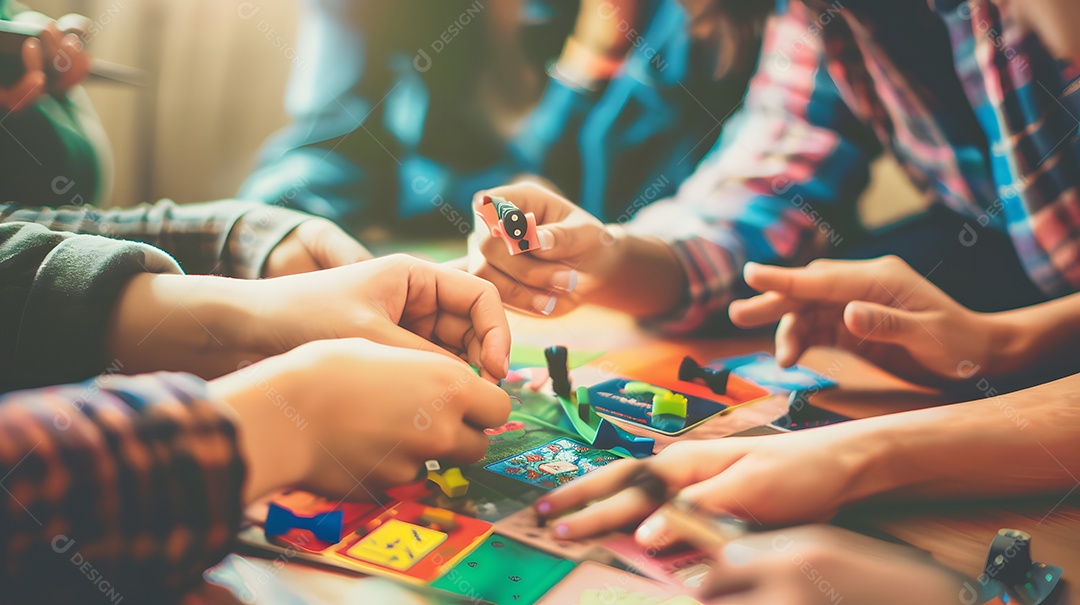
(552, 464)
(504, 571)
(596, 584)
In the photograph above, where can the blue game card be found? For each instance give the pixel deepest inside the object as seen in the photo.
(761, 369)
(552, 464)
(610, 399)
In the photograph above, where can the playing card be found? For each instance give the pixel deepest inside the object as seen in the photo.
(611, 399)
(504, 571)
(524, 526)
(552, 464)
(762, 369)
(684, 568)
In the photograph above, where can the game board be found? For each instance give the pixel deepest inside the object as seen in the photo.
(502, 570)
(552, 464)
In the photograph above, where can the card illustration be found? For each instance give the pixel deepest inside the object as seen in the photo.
(552, 464)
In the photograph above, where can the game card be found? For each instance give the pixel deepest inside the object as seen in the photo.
(762, 369)
(611, 399)
(593, 583)
(553, 464)
(524, 526)
(504, 571)
(684, 567)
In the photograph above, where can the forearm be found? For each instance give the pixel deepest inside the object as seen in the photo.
(1020, 444)
(205, 325)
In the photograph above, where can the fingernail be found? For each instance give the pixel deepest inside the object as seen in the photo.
(565, 280)
(653, 526)
(736, 554)
(549, 307)
(562, 530)
(546, 239)
(543, 508)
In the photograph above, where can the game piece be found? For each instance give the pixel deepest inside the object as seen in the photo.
(1009, 565)
(601, 433)
(552, 464)
(451, 481)
(592, 583)
(611, 399)
(506, 221)
(327, 526)
(432, 465)
(557, 359)
(503, 571)
(585, 410)
(668, 409)
(716, 379)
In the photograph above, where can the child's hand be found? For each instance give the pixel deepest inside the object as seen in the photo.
(55, 63)
(881, 309)
(580, 261)
(773, 480)
(349, 418)
(315, 244)
(815, 565)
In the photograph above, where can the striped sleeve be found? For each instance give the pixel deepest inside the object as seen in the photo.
(782, 182)
(230, 237)
(120, 489)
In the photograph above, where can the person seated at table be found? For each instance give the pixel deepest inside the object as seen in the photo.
(402, 110)
(985, 133)
(129, 486)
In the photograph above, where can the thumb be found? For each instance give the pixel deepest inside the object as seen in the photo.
(879, 323)
(569, 240)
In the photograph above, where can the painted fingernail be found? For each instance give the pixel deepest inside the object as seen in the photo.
(562, 530)
(549, 307)
(546, 239)
(543, 508)
(565, 280)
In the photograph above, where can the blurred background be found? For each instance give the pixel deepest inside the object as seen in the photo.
(219, 72)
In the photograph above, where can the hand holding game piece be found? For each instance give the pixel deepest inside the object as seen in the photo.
(881, 309)
(769, 568)
(580, 259)
(505, 221)
(350, 417)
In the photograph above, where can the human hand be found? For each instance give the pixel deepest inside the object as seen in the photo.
(54, 62)
(396, 300)
(881, 309)
(315, 244)
(812, 565)
(580, 261)
(771, 480)
(349, 418)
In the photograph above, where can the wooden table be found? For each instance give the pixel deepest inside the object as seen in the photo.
(957, 534)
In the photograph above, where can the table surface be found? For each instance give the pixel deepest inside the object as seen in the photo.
(956, 533)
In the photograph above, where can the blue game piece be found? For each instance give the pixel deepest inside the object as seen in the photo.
(327, 527)
(609, 436)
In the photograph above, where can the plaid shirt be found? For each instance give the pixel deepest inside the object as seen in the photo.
(121, 489)
(231, 238)
(992, 134)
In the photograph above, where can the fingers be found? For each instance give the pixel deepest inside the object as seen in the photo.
(879, 323)
(880, 280)
(31, 85)
(762, 310)
(70, 63)
(472, 446)
(625, 507)
(577, 493)
(486, 405)
(791, 340)
(518, 295)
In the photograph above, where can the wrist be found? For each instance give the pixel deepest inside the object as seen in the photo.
(262, 396)
(645, 278)
(1008, 346)
(198, 324)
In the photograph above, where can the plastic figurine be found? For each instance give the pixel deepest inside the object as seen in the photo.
(668, 409)
(451, 481)
(506, 221)
(559, 370)
(690, 370)
(327, 527)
